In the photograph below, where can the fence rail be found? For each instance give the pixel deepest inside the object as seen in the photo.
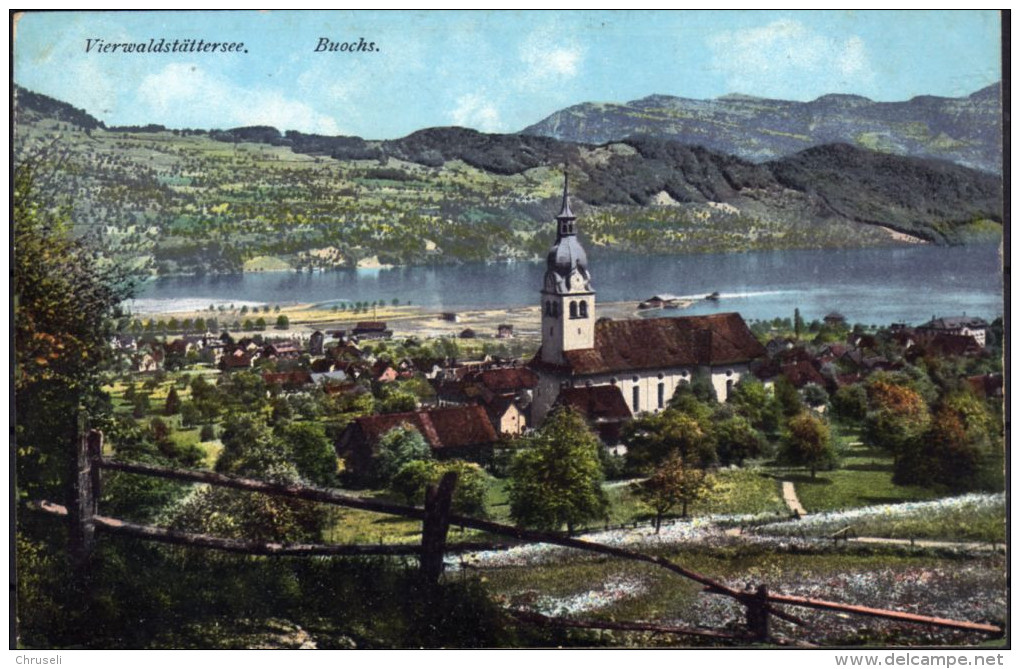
(82, 512)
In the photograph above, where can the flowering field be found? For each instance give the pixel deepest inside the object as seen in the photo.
(789, 556)
(975, 517)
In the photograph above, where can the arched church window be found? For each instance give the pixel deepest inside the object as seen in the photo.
(583, 307)
(573, 309)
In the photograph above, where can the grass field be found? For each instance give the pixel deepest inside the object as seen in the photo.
(864, 478)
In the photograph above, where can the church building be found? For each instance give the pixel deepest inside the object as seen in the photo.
(645, 358)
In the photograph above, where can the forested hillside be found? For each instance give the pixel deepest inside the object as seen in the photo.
(251, 199)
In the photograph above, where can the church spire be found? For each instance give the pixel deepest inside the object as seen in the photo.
(565, 219)
(565, 211)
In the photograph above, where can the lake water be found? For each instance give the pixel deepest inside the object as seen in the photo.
(872, 286)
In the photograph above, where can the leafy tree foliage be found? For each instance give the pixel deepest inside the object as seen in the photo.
(850, 403)
(897, 416)
(469, 495)
(807, 443)
(173, 402)
(814, 395)
(249, 449)
(556, 478)
(787, 398)
(64, 297)
(650, 439)
(397, 447)
(310, 451)
(673, 483)
(736, 440)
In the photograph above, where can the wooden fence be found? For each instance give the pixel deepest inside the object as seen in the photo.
(83, 514)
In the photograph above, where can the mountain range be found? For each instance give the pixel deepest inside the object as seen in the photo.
(185, 201)
(965, 130)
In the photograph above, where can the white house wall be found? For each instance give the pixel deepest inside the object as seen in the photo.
(646, 381)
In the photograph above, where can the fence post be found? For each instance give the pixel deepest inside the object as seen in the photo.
(435, 526)
(82, 502)
(758, 613)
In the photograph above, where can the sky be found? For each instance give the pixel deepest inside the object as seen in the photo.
(495, 71)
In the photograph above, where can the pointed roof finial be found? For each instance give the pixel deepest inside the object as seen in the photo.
(565, 211)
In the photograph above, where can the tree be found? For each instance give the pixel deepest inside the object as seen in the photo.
(651, 438)
(807, 443)
(750, 399)
(65, 299)
(814, 395)
(249, 449)
(786, 397)
(897, 418)
(798, 323)
(173, 402)
(701, 386)
(282, 322)
(260, 324)
(472, 483)
(850, 403)
(673, 482)
(952, 457)
(310, 451)
(736, 440)
(412, 478)
(396, 448)
(556, 478)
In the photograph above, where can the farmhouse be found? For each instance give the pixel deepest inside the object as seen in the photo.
(964, 326)
(645, 358)
(452, 432)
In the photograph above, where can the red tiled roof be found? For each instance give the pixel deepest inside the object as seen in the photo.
(506, 379)
(654, 343)
(596, 402)
(801, 373)
(287, 378)
(950, 344)
(442, 428)
(986, 385)
(239, 358)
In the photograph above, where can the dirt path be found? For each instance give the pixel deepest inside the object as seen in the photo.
(932, 543)
(790, 497)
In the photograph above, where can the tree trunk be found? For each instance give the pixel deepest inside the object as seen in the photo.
(683, 513)
(658, 522)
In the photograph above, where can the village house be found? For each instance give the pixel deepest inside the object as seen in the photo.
(287, 380)
(602, 406)
(316, 342)
(647, 359)
(966, 326)
(835, 319)
(452, 432)
(282, 350)
(239, 358)
(371, 330)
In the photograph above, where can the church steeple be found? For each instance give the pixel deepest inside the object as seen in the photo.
(566, 218)
(568, 301)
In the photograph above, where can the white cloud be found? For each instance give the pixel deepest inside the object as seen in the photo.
(476, 111)
(184, 94)
(550, 56)
(786, 58)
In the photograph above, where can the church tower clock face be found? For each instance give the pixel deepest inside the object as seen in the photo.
(568, 301)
